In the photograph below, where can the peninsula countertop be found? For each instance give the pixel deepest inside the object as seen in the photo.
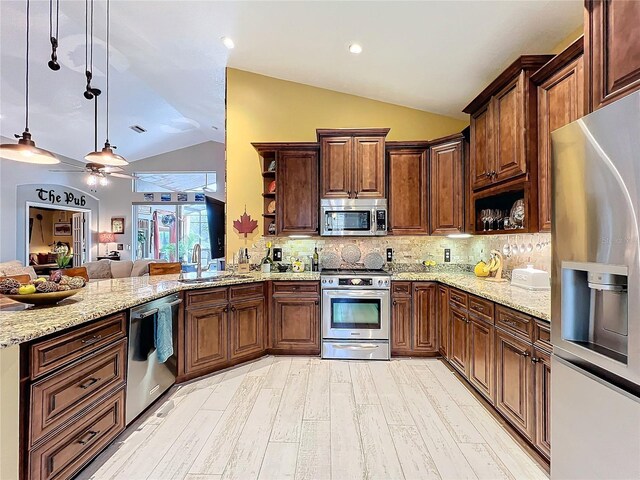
(19, 323)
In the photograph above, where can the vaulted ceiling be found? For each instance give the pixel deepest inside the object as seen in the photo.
(168, 61)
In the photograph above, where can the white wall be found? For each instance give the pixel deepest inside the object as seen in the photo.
(115, 199)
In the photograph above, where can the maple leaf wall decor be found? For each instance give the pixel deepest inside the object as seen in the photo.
(245, 224)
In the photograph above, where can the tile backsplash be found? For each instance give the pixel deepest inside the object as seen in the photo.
(518, 249)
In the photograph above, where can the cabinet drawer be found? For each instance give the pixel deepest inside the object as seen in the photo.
(69, 450)
(542, 335)
(250, 290)
(206, 298)
(58, 397)
(515, 322)
(458, 297)
(289, 288)
(55, 352)
(401, 289)
(481, 308)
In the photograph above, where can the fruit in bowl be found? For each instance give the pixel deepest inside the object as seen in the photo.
(42, 291)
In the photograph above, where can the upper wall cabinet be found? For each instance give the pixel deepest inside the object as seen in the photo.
(296, 187)
(352, 163)
(408, 188)
(612, 50)
(447, 185)
(561, 100)
(503, 126)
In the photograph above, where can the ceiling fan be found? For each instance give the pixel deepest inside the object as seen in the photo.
(98, 173)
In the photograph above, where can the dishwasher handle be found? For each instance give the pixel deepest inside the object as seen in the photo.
(153, 311)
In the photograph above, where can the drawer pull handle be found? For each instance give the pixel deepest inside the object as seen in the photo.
(87, 383)
(91, 340)
(478, 308)
(512, 323)
(87, 437)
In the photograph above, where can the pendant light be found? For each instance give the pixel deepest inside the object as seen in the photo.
(25, 150)
(53, 63)
(107, 156)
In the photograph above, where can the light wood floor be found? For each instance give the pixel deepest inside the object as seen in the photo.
(305, 418)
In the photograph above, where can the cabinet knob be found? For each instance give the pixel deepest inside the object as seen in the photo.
(488, 174)
(534, 360)
(316, 302)
(525, 354)
(226, 309)
(233, 309)
(395, 302)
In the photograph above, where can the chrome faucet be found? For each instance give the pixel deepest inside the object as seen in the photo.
(196, 258)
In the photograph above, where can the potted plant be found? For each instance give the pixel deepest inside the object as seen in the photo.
(63, 259)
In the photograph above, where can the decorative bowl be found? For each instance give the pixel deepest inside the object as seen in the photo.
(43, 298)
(282, 267)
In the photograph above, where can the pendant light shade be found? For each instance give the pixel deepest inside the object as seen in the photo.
(25, 150)
(106, 157)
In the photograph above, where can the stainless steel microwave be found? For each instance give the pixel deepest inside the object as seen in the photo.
(341, 217)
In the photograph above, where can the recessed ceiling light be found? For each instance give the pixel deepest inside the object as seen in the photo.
(355, 48)
(228, 42)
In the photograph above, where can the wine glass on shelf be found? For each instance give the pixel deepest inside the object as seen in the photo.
(497, 214)
(490, 219)
(483, 218)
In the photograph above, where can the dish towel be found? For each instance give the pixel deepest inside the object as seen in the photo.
(163, 338)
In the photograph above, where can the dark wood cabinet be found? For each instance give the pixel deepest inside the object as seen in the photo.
(425, 337)
(612, 50)
(401, 325)
(447, 185)
(293, 169)
(509, 130)
(514, 382)
(443, 320)
(352, 163)
(561, 100)
(206, 338)
(336, 168)
(297, 191)
(459, 331)
(246, 328)
(542, 401)
(481, 147)
(295, 326)
(481, 357)
(408, 188)
(503, 126)
(414, 319)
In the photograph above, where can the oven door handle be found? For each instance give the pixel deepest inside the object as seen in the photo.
(356, 346)
(347, 293)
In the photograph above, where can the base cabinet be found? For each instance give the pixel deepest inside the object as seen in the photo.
(414, 319)
(206, 338)
(223, 326)
(401, 325)
(481, 358)
(514, 382)
(443, 321)
(542, 362)
(459, 355)
(296, 325)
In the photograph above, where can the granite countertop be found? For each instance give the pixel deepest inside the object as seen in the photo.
(535, 303)
(19, 323)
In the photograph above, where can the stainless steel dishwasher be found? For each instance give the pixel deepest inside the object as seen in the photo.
(147, 379)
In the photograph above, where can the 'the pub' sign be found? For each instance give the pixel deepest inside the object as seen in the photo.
(67, 198)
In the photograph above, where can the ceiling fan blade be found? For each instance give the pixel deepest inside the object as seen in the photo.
(123, 175)
(79, 167)
(111, 169)
(66, 171)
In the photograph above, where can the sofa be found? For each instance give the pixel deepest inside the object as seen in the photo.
(105, 269)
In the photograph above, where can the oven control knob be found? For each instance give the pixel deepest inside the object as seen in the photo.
(324, 280)
(379, 282)
(386, 282)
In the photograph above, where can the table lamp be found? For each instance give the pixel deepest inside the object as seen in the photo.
(107, 238)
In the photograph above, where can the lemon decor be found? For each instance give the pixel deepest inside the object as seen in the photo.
(481, 269)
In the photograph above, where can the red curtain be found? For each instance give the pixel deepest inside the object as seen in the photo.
(173, 234)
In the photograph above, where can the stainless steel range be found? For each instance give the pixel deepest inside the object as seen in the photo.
(356, 314)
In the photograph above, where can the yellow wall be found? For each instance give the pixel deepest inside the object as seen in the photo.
(265, 109)
(568, 40)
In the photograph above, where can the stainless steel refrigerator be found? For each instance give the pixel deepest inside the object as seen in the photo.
(595, 301)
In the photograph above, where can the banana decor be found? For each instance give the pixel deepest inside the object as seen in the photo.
(494, 267)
